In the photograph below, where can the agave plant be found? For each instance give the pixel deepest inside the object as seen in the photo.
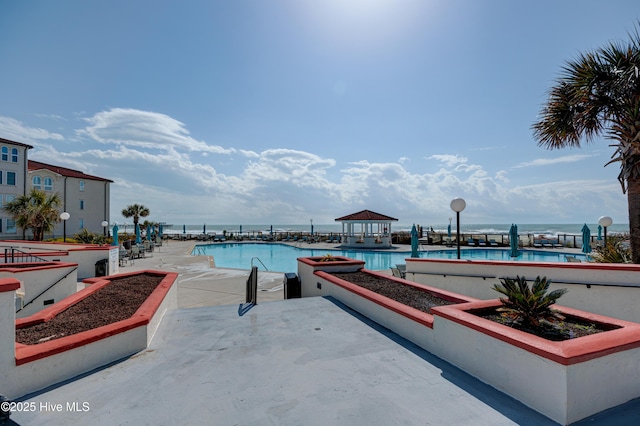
(613, 252)
(526, 306)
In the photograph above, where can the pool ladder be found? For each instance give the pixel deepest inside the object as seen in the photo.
(258, 259)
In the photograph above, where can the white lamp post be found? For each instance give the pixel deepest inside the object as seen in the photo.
(104, 225)
(605, 221)
(457, 205)
(64, 216)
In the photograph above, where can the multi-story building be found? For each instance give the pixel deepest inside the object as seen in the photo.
(13, 182)
(84, 197)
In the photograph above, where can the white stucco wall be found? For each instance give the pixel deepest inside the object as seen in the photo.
(585, 282)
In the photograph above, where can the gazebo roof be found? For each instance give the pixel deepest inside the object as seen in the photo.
(366, 216)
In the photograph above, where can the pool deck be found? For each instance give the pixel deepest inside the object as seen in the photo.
(309, 361)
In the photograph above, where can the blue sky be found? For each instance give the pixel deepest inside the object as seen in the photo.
(280, 111)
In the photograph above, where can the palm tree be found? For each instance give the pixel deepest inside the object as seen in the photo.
(36, 211)
(136, 211)
(598, 94)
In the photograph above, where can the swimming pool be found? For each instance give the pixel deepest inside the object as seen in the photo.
(282, 257)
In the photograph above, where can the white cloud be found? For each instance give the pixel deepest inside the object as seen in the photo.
(552, 161)
(144, 129)
(279, 186)
(17, 131)
(448, 159)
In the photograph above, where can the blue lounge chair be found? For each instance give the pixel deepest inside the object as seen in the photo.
(471, 242)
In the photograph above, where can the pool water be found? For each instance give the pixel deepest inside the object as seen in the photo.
(283, 258)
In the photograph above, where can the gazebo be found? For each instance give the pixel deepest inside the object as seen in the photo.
(366, 229)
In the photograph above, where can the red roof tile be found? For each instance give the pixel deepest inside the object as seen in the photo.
(367, 215)
(63, 171)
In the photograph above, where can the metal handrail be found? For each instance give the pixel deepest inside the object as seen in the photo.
(258, 259)
(23, 256)
(46, 289)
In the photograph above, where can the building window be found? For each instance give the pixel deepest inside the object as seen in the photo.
(11, 178)
(0, 225)
(11, 226)
(37, 182)
(1, 182)
(5, 153)
(9, 198)
(81, 204)
(81, 185)
(81, 223)
(14, 155)
(48, 184)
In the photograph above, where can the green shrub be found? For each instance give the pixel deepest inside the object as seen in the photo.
(613, 252)
(528, 307)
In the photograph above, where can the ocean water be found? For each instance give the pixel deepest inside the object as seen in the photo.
(547, 230)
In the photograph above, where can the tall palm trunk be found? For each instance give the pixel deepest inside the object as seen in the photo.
(633, 197)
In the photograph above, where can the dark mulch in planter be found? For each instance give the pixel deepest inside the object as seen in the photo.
(568, 329)
(407, 295)
(115, 302)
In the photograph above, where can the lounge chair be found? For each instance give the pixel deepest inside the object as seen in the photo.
(537, 244)
(396, 272)
(471, 242)
(482, 242)
(123, 256)
(493, 243)
(547, 244)
(556, 244)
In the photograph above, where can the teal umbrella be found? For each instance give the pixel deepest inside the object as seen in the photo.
(138, 240)
(148, 232)
(160, 230)
(599, 232)
(414, 241)
(115, 235)
(184, 229)
(449, 231)
(586, 239)
(513, 240)
(204, 229)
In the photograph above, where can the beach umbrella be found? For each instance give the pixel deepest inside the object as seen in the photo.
(271, 230)
(204, 229)
(449, 230)
(414, 241)
(115, 235)
(599, 232)
(138, 240)
(148, 232)
(240, 229)
(160, 230)
(586, 239)
(184, 229)
(513, 240)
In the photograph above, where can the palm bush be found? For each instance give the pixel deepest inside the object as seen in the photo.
(613, 252)
(528, 307)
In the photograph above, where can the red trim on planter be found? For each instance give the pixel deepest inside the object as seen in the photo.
(397, 307)
(340, 262)
(559, 265)
(36, 266)
(567, 352)
(9, 284)
(28, 353)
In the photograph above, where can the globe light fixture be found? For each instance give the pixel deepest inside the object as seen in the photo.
(605, 221)
(104, 225)
(457, 205)
(64, 216)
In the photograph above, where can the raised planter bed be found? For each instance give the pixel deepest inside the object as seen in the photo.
(564, 380)
(54, 360)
